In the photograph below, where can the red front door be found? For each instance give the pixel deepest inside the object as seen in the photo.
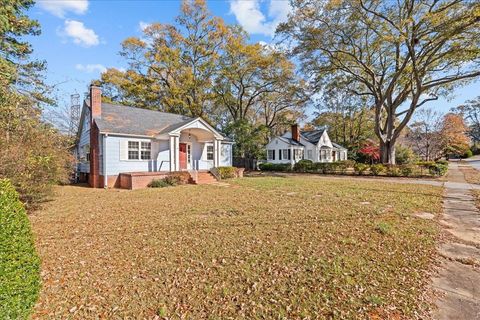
(183, 156)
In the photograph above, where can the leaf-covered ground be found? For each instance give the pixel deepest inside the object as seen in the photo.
(276, 248)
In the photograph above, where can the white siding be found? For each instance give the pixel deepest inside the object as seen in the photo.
(116, 166)
(84, 142)
(277, 144)
(226, 155)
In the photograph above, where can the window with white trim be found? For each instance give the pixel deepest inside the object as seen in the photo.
(310, 154)
(145, 150)
(133, 148)
(323, 155)
(270, 154)
(209, 152)
(297, 154)
(285, 154)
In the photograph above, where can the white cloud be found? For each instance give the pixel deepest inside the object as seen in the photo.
(250, 16)
(143, 25)
(90, 68)
(80, 34)
(60, 7)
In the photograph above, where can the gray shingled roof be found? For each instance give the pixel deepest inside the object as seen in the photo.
(137, 121)
(336, 145)
(312, 136)
(291, 141)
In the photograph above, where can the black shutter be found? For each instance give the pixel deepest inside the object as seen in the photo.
(273, 152)
(279, 154)
(289, 154)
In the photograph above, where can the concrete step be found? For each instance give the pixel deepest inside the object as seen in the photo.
(204, 178)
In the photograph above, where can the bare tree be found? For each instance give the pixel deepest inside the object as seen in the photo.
(424, 136)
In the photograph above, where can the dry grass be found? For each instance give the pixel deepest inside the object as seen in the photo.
(471, 174)
(276, 248)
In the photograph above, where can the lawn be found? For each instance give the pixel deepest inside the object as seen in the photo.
(276, 248)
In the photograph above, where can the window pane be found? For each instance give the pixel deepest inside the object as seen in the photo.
(209, 152)
(145, 155)
(133, 145)
(132, 155)
(146, 146)
(133, 150)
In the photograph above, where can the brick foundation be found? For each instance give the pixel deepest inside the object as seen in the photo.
(138, 180)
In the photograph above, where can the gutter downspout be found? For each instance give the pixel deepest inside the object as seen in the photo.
(104, 151)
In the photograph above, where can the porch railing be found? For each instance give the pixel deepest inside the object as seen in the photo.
(161, 164)
(215, 173)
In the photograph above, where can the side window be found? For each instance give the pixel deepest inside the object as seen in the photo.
(146, 151)
(133, 148)
(209, 152)
(270, 154)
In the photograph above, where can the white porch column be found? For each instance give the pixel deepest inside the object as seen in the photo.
(177, 153)
(172, 153)
(292, 157)
(219, 153)
(215, 153)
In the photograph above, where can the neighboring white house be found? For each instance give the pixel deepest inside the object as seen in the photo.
(114, 139)
(296, 145)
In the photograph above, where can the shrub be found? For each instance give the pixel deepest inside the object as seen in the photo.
(343, 166)
(175, 178)
(444, 162)
(438, 169)
(19, 263)
(158, 183)
(321, 167)
(303, 166)
(468, 154)
(393, 171)
(360, 168)
(377, 169)
(407, 170)
(227, 172)
(404, 155)
(274, 166)
(172, 180)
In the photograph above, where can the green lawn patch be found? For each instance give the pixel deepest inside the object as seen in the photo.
(19, 263)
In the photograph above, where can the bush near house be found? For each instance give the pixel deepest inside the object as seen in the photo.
(274, 166)
(377, 169)
(418, 169)
(227, 172)
(19, 263)
(360, 168)
(172, 179)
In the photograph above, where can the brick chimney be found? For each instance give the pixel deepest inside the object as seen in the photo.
(96, 101)
(295, 133)
(96, 112)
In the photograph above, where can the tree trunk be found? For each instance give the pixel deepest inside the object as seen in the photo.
(387, 152)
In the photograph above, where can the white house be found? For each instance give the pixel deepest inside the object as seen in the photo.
(296, 145)
(121, 146)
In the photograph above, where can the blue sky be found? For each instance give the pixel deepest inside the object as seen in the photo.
(80, 38)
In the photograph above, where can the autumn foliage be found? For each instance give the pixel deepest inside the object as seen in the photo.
(454, 134)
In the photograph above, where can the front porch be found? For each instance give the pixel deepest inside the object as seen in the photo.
(195, 146)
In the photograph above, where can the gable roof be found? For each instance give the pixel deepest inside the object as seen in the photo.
(137, 121)
(312, 136)
(290, 141)
(336, 145)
